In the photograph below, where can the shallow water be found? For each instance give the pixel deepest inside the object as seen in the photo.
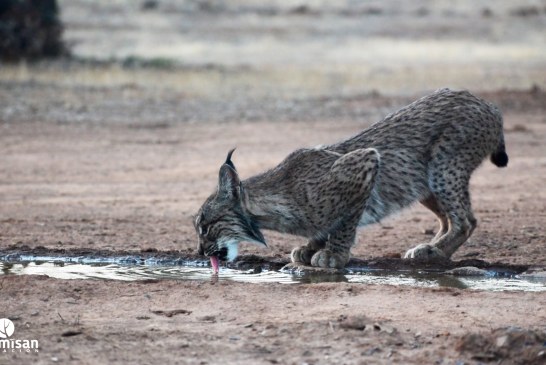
(132, 269)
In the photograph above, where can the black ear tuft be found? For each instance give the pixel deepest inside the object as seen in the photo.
(228, 159)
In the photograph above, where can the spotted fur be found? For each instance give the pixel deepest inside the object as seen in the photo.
(424, 152)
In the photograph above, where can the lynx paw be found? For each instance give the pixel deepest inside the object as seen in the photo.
(425, 252)
(302, 255)
(328, 259)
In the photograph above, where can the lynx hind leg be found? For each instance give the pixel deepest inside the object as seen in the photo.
(461, 224)
(427, 251)
(351, 180)
(303, 254)
(432, 204)
(450, 187)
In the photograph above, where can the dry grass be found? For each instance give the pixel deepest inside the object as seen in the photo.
(274, 81)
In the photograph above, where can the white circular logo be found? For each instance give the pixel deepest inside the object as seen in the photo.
(6, 328)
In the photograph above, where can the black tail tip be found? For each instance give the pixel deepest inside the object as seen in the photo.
(500, 159)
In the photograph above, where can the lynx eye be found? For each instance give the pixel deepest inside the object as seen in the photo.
(198, 221)
(203, 231)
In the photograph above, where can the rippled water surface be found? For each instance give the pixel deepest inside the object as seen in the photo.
(128, 270)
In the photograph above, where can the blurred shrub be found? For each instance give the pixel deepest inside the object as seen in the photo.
(159, 63)
(30, 29)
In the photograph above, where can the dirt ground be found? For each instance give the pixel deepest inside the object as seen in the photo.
(97, 154)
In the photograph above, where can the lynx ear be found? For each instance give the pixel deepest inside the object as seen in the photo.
(229, 184)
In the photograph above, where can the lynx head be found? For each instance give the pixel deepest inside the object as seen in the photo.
(222, 222)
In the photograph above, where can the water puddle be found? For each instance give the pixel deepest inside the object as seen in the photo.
(135, 269)
(491, 282)
(61, 270)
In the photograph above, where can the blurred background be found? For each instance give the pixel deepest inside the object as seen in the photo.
(279, 51)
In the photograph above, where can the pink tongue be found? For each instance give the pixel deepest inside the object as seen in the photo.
(214, 264)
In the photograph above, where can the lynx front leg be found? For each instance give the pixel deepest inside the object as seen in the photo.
(303, 254)
(338, 249)
(346, 188)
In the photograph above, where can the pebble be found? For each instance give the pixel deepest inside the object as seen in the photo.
(467, 271)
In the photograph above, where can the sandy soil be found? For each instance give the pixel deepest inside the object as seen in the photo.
(89, 322)
(135, 186)
(101, 155)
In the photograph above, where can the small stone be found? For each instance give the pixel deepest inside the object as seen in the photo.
(467, 271)
(355, 323)
(534, 274)
(371, 351)
(388, 329)
(501, 341)
(71, 333)
(207, 318)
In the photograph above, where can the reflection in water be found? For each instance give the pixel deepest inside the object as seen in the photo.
(137, 272)
(70, 270)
